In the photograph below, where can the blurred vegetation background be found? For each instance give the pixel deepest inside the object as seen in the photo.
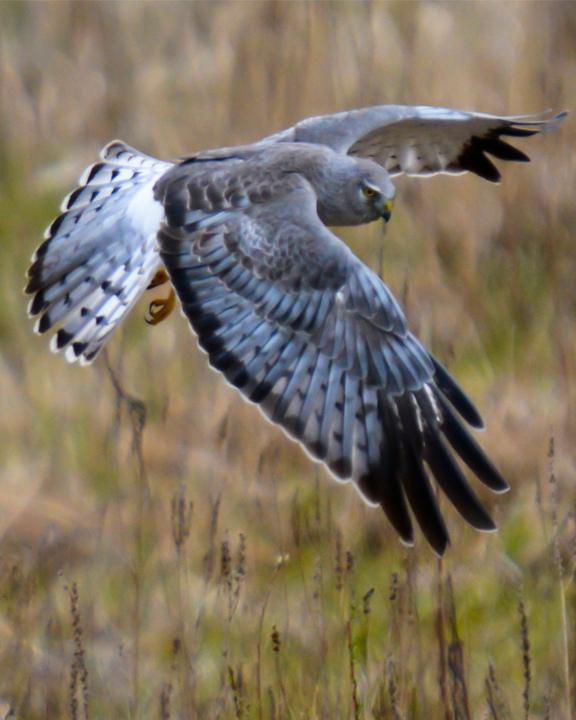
(164, 552)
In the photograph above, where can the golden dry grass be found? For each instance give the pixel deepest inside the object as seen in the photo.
(199, 566)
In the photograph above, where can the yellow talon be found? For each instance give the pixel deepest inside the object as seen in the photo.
(160, 309)
(159, 278)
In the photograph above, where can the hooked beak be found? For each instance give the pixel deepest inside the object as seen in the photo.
(385, 209)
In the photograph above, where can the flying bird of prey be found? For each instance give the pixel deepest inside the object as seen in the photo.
(284, 310)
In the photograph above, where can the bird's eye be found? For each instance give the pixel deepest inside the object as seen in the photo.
(368, 192)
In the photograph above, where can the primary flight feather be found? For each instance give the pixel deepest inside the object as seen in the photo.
(284, 310)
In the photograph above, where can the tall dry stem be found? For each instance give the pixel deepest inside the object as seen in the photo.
(137, 418)
(559, 565)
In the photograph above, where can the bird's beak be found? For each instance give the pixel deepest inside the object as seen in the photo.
(386, 209)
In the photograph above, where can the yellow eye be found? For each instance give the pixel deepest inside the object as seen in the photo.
(368, 192)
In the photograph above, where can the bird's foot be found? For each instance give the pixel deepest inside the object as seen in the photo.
(160, 308)
(160, 277)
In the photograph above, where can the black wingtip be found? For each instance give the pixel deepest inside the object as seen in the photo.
(415, 482)
(503, 150)
(455, 486)
(469, 450)
(440, 550)
(473, 159)
(456, 395)
(511, 131)
(377, 487)
(424, 505)
(473, 156)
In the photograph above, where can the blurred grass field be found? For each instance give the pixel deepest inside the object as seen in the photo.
(164, 552)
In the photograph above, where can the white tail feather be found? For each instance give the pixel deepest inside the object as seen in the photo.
(99, 254)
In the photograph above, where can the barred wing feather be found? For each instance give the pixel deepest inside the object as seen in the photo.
(319, 343)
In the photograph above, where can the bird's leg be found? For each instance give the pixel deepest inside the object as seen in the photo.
(160, 308)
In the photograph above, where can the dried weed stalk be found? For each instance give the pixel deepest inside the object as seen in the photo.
(356, 704)
(526, 660)
(240, 567)
(209, 557)
(276, 648)
(137, 416)
(236, 687)
(338, 566)
(459, 691)
(165, 698)
(559, 565)
(392, 686)
(181, 518)
(441, 641)
(366, 598)
(497, 709)
(78, 689)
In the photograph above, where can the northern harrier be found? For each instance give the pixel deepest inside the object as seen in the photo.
(279, 303)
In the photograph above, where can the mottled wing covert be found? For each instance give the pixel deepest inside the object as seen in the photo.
(301, 327)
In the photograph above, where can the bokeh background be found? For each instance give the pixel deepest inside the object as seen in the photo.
(166, 553)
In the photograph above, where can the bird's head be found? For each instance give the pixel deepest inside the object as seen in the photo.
(349, 190)
(375, 201)
(374, 192)
(360, 191)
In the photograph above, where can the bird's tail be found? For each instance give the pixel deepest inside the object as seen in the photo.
(98, 256)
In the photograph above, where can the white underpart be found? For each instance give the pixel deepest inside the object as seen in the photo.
(144, 212)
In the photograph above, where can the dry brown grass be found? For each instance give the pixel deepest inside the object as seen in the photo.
(280, 595)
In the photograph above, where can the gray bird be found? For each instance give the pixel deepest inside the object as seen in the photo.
(284, 310)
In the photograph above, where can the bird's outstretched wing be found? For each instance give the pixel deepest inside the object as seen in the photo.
(421, 140)
(302, 328)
